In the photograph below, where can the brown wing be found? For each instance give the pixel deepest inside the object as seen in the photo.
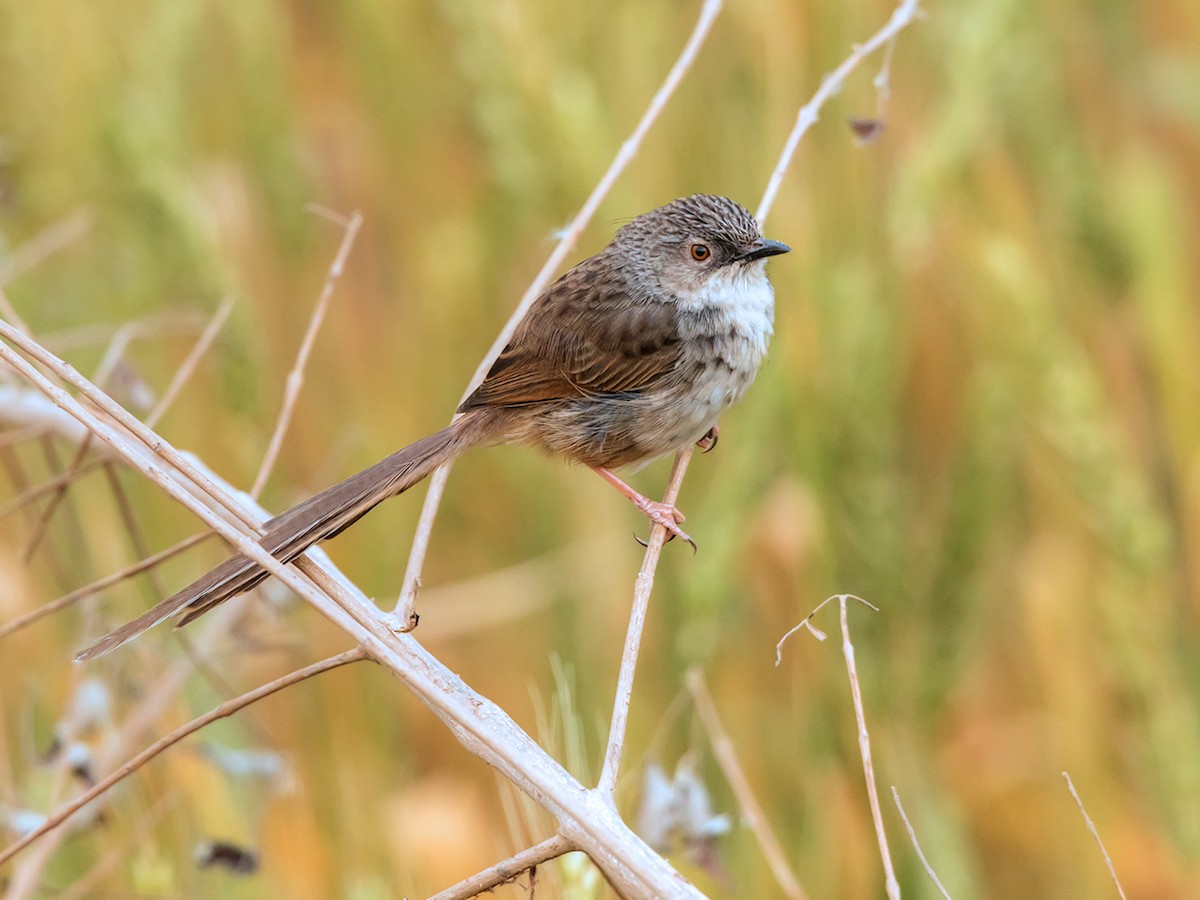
(584, 337)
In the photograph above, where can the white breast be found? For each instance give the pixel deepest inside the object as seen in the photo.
(735, 328)
(744, 305)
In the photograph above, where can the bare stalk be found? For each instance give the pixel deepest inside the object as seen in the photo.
(586, 818)
(228, 708)
(184, 373)
(864, 749)
(1091, 826)
(403, 612)
(912, 836)
(633, 635)
(904, 14)
(752, 812)
(116, 350)
(295, 379)
(507, 870)
(31, 494)
(95, 587)
(194, 478)
(41, 246)
(26, 875)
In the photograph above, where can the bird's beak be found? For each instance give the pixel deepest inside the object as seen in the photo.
(762, 248)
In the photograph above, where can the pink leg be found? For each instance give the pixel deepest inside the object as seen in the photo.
(658, 513)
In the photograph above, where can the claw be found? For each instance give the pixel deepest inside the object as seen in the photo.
(664, 514)
(708, 441)
(670, 537)
(668, 517)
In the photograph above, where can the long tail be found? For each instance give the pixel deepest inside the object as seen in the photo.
(292, 532)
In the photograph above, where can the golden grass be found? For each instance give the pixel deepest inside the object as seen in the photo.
(980, 413)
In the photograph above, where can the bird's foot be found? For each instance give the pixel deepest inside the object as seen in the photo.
(666, 515)
(709, 441)
(659, 513)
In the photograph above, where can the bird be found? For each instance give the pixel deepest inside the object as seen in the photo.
(631, 355)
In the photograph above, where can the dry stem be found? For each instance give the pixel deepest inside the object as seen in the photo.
(95, 587)
(437, 483)
(41, 246)
(27, 873)
(295, 379)
(864, 749)
(633, 635)
(585, 818)
(912, 836)
(228, 708)
(507, 870)
(903, 16)
(752, 812)
(31, 494)
(1091, 826)
(190, 362)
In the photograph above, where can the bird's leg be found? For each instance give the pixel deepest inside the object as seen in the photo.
(709, 441)
(659, 513)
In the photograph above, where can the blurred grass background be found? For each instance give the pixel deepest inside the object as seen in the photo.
(980, 412)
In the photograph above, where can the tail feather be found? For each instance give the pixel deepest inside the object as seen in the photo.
(292, 532)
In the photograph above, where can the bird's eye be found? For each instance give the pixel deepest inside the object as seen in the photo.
(700, 252)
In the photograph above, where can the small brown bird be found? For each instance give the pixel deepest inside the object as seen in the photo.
(629, 356)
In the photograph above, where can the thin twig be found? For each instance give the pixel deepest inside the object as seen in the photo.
(883, 80)
(21, 481)
(196, 655)
(403, 612)
(137, 537)
(57, 496)
(25, 880)
(633, 635)
(645, 581)
(507, 870)
(44, 244)
(807, 624)
(585, 818)
(864, 749)
(54, 463)
(194, 480)
(1091, 826)
(10, 312)
(904, 14)
(21, 435)
(31, 415)
(117, 347)
(95, 587)
(295, 379)
(912, 836)
(228, 708)
(752, 812)
(188, 366)
(31, 494)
